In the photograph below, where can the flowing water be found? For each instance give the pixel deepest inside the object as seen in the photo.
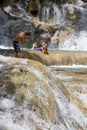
(16, 116)
(70, 117)
(76, 41)
(74, 79)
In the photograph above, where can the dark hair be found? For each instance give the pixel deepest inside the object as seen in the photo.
(27, 33)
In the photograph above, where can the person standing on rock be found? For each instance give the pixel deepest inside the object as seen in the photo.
(22, 38)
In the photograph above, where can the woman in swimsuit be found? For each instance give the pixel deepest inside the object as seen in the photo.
(43, 49)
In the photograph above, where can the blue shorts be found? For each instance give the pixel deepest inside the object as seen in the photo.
(16, 46)
(37, 49)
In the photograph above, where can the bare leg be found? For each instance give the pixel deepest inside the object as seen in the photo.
(17, 54)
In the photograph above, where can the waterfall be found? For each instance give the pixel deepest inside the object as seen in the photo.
(4, 41)
(45, 14)
(58, 15)
(44, 98)
(74, 42)
(17, 115)
(62, 15)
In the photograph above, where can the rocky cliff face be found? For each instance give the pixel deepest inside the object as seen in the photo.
(44, 19)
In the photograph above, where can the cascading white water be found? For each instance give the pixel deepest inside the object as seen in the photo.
(77, 40)
(74, 42)
(4, 40)
(16, 116)
(58, 15)
(45, 14)
(58, 18)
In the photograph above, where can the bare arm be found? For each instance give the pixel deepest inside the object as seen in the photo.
(22, 41)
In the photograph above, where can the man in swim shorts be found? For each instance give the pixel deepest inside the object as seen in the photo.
(21, 37)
